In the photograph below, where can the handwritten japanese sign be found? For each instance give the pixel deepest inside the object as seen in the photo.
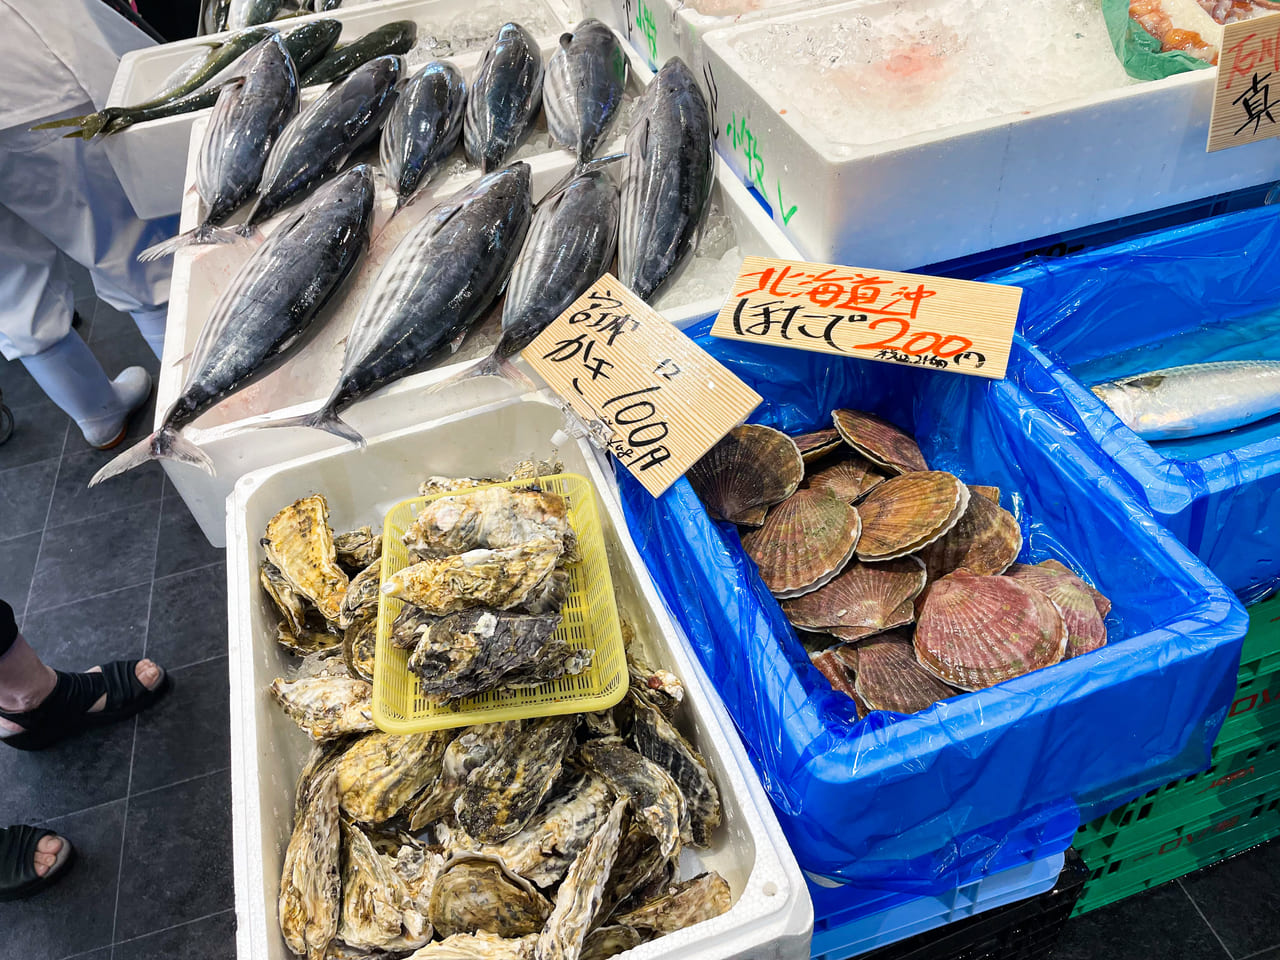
(1246, 95)
(903, 318)
(664, 400)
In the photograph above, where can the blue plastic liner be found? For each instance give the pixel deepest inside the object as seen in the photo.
(925, 803)
(1171, 288)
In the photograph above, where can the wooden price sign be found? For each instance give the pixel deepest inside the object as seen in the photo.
(903, 318)
(664, 400)
(1248, 67)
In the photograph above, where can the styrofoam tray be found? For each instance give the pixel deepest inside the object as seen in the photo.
(201, 274)
(150, 158)
(772, 913)
(922, 199)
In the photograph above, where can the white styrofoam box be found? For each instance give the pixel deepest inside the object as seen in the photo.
(922, 199)
(228, 433)
(772, 914)
(150, 158)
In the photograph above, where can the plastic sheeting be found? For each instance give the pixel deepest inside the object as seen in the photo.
(1202, 292)
(927, 802)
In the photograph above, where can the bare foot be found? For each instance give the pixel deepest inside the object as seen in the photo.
(47, 851)
(147, 672)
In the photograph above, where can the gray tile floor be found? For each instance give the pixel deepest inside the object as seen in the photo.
(123, 571)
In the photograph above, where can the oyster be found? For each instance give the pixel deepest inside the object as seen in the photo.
(975, 632)
(908, 512)
(360, 602)
(655, 798)
(879, 441)
(491, 518)
(375, 900)
(985, 540)
(382, 772)
(1102, 604)
(702, 898)
(310, 640)
(356, 549)
(475, 651)
(639, 873)
(579, 896)
(1086, 631)
(548, 596)
(804, 542)
(359, 646)
(661, 688)
(839, 665)
(479, 578)
(311, 881)
(889, 678)
(478, 946)
(817, 444)
(849, 478)
(602, 723)
(300, 543)
(657, 740)
(433, 485)
(326, 707)
(288, 601)
(410, 625)
(471, 749)
(534, 469)
(477, 892)
(751, 468)
(605, 942)
(865, 599)
(501, 796)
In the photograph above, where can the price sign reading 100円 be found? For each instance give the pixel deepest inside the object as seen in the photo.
(903, 318)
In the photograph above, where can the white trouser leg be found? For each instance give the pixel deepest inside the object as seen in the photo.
(36, 299)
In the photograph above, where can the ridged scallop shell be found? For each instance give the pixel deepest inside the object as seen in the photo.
(889, 678)
(804, 542)
(838, 665)
(908, 512)
(816, 445)
(751, 468)
(865, 599)
(879, 441)
(849, 478)
(974, 632)
(1085, 630)
(1099, 601)
(991, 493)
(984, 541)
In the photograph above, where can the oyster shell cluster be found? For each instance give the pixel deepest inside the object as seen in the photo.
(909, 568)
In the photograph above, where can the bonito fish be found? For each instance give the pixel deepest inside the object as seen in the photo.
(262, 315)
(396, 37)
(1195, 400)
(437, 283)
(422, 128)
(667, 182)
(583, 86)
(504, 97)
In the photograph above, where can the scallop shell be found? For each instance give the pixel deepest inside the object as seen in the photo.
(879, 441)
(984, 541)
(991, 493)
(838, 665)
(889, 678)
(1085, 630)
(908, 512)
(804, 542)
(849, 478)
(1099, 601)
(974, 632)
(816, 445)
(865, 599)
(751, 468)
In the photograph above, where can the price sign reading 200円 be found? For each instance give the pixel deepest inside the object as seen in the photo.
(903, 318)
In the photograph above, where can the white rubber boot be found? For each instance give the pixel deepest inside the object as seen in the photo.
(151, 325)
(71, 377)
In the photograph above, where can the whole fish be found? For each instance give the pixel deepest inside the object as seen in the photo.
(583, 86)
(1195, 400)
(248, 117)
(319, 140)
(263, 314)
(423, 127)
(321, 6)
(247, 13)
(504, 97)
(439, 280)
(199, 70)
(667, 181)
(397, 37)
(213, 16)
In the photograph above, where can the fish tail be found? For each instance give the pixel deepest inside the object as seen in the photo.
(80, 121)
(165, 444)
(494, 365)
(205, 233)
(326, 419)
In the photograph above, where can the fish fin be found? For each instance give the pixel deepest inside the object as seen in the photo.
(205, 233)
(491, 366)
(80, 121)
(325, 419)
(165, 444)
(456, 342)
(579, 168)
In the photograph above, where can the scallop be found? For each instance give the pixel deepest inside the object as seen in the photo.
(865, 599)
(839, 665)
(1099, 601)
(889, 678)
(849, 478)
(749, 470)
(1085, 630)
(879, 441)
(816, 445)
(974, 631)
(804, 542)
(908, 512)
(985, 541)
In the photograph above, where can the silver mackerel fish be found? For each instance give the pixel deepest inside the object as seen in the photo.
(1195, 400)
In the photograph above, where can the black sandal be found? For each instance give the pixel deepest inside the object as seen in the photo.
(65, 711)
(18, 877)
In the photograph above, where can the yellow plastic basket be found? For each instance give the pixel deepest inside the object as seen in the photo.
(589, 620)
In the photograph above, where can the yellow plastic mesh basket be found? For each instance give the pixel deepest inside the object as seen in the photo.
(589, 620)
